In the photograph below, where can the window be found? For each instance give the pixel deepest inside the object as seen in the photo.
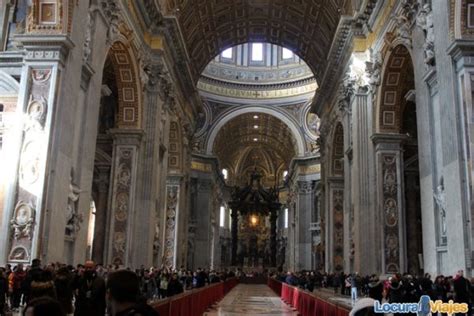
(286, 53)
(225, 174)
(257, 52)
(227, 53)
(285, 216)
(222, 217)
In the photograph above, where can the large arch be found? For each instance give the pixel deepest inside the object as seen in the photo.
(395, 84)
(129, 114)
(396, 115)
(221, 121)
(307, 27)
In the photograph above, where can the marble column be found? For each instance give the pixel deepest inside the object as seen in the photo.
(145, 230)
(364, 236)
(390, 186)
(102, 184)
(123, 197)
(202, 242)
(304, 211)
(26, 193)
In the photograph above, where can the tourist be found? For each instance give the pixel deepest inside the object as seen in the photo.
(174, 286)
(43, 306)
(3, 291)
(16, 279)
(440, 291)
(164, 279)
(123, 291)
(148, 284)
(34, 274)
(41, 285)
(64, 291)
(462, 288)
(90, 293)
(375, 288)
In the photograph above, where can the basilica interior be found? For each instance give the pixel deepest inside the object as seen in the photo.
(316, 135)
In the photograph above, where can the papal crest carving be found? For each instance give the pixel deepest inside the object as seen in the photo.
(23, 221)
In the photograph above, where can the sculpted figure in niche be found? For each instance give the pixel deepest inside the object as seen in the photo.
(403, 29)
(425, 21)
(73, 219)
(374, 68)
(440, 199)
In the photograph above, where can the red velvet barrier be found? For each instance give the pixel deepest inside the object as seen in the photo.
(194, 302)
(274, 285)
(307, 304)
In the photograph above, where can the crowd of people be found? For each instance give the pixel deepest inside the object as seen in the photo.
(93, 290)
(397, 288)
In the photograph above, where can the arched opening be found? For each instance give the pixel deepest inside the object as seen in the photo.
(258, 97)
(268, 148)
(398, 115)
(107, 121)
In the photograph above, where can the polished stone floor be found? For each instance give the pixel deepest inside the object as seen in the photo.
(249, 299)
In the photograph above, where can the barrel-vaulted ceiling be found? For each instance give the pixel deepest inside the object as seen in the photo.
(255, 139)
(307, 27)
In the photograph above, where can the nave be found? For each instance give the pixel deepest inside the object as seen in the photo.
(251, 299)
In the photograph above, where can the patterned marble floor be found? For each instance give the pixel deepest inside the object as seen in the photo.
(249, 299)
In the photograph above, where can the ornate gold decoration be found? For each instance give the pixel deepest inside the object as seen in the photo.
(256, 94)
(199, 166)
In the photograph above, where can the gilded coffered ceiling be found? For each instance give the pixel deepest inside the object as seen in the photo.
(307, 27)
(255, 139)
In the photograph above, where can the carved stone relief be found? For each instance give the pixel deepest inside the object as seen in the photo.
(122, 203)
(29, 186)
(338, 229)
(170, 225)
(425, 21)
(391, 213)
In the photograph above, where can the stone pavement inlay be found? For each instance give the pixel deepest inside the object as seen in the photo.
(250, 299)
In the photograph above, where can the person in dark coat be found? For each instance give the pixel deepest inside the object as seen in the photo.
(43, 306)
(375, 288)
(64, 291)
(16, 280)
(90, 293)
(174, 286)
(123, 295)
(462, 288)
(3, 291)
(34, 274)
(395, 294)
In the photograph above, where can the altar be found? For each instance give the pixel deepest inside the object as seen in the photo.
(254, 213)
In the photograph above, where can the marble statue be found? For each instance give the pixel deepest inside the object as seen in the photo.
(424, 20)
(440, 199)
(72, 217)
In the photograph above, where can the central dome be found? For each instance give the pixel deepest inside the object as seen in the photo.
(258, 71)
